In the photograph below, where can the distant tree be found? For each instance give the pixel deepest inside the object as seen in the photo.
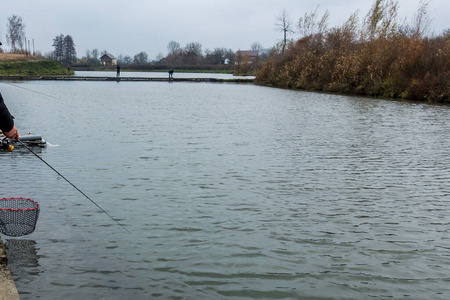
(230, 55)
(124, 59)
(256, 47)
(95, 54)
(70, 55)
(140, 58)
(159, 56)
(193, 48)
(91, 57)
(264, 54)
(284, 24)
(173, 48)
(15, 33)
(174, 53)
(64, 49)
(192, 53)
(216, 56)
(88, 55)
(58, 52)
(127, 60)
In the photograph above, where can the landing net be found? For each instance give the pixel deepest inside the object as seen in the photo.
(18, 216)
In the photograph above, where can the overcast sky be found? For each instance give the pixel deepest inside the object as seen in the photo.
(131, 26)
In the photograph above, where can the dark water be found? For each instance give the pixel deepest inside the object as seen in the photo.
(229, 192)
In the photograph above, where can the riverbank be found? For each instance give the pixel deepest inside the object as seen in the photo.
(380, 56)
(397, 67)
(15, 64)
(8, 289)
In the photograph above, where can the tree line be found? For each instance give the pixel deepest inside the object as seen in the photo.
(190, 55)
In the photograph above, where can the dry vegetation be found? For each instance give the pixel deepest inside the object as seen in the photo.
(379, 57)
(15, 57)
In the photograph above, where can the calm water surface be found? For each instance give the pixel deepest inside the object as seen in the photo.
(159, 74)
(230, 192)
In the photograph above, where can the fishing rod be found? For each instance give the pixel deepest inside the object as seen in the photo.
(59, 174)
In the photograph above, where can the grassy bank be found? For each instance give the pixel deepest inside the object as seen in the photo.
(378, 58)
(31, 67)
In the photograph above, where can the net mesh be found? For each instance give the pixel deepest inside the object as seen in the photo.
(18, 216)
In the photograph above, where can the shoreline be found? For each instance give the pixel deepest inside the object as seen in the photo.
(8, 290)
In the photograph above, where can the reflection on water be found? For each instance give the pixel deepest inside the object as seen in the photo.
(231, 191)
(23, 262)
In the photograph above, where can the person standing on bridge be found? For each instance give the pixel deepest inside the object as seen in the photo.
(118, 70)
(170, 74)
(7, 122)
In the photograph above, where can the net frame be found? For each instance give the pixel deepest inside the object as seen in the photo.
(18, 216)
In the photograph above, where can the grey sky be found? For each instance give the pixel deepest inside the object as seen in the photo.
(129, 27)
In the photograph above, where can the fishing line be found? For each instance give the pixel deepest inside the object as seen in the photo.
(87, 197)
(30, 90)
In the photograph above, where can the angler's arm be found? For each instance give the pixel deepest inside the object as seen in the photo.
(7, 121)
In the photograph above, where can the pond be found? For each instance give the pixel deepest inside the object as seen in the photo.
(228, 191)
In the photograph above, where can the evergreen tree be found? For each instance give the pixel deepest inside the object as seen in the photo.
(70, 55)
(58, 44)
(64, 52)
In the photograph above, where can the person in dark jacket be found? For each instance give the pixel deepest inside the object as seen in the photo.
(7, 122)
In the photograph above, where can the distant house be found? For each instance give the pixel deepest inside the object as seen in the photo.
(108, 60)
(247, 56)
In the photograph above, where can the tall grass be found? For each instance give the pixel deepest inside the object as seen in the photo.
(378, 56)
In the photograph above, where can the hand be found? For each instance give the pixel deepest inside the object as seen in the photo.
(13, 134)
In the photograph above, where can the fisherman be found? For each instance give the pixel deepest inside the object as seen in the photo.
(7, 122)
(170, 74)
(118, 70)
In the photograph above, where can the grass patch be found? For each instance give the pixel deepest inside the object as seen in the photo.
(31, 67)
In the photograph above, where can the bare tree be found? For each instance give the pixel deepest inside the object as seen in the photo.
(140, 58)
(192, 53)
(256, 47)
(159, 56)
(173, 48)
(16, 33)
(194, 48)
(127, 59)
(284, 24)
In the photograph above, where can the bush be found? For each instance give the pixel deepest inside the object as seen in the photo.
(384, 61)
